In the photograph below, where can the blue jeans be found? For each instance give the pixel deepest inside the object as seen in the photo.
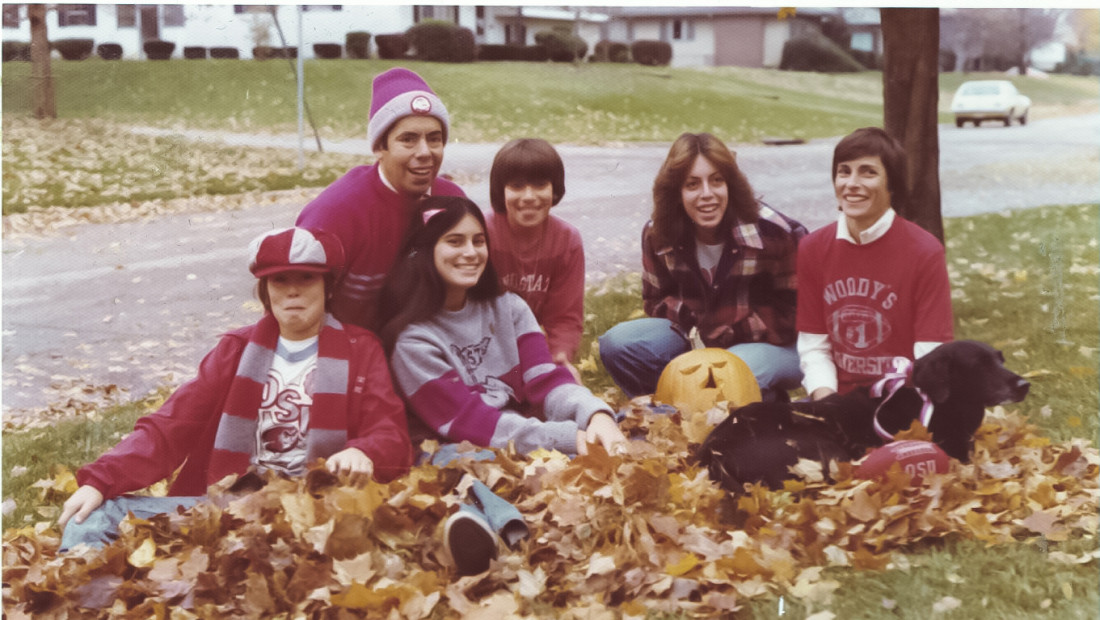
(101, 526)
(635, 352)
(502, 516)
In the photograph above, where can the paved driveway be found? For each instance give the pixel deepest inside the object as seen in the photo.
(134, 304)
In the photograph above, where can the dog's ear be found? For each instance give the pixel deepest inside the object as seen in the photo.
(932, 374)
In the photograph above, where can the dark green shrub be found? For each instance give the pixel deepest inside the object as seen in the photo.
(871, 60)
(562, 46)
(328, 51)
(74, 49)
(513, 52)
(441, 41)
(815, 52)
(17, 50)
(491, 52)
(651, 53)
(263, 52)
(158, 50)
(109, 51)
(224, 52)
(392, 46)
(357, 44)
(947, 60)
(464, 46)
(194, 52)
(534, 53)
(611, 51)
(837, 31)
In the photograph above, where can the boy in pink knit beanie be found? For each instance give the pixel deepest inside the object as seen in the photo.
(369, 207)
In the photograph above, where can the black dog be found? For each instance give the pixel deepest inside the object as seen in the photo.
(758, 442)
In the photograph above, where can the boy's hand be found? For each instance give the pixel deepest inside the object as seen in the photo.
(351, 462)
(603, 429)
(80, 504)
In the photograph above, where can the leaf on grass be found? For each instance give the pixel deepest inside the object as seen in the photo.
(946, 604)
(1040, 522)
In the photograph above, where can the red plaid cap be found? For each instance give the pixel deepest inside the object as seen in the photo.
(295, 249)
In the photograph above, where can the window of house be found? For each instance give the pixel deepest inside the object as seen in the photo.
(127, 15)
(515, 34)
(322, 7)
(76, 15)
(862, 41)
(683, 30)
(11, 15)
(173, 15)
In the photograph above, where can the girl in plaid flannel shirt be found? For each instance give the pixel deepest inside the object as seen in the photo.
(715, 260)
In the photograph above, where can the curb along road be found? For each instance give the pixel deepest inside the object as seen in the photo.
(136, 303)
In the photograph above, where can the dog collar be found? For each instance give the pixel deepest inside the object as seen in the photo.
(889, 385)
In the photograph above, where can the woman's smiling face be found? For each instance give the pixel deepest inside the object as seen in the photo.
(460, 257)
(705, 196)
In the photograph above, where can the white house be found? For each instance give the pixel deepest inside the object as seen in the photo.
(247, 26)
(715, 36)
(700, 36)
(209, 25)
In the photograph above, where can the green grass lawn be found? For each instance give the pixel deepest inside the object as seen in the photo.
(563, 103)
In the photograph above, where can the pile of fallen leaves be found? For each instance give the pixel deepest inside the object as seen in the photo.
(645, 530)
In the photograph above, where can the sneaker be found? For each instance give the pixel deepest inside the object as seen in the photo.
(471, 541)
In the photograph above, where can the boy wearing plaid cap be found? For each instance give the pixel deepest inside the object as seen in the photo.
(296, 386)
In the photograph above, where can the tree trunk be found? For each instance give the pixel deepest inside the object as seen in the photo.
(41, 78)
(911, 93)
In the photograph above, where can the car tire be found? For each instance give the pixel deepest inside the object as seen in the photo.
(1007, 120)
(1023, 118)
(959, 122)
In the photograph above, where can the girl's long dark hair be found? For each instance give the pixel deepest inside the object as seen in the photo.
(414, 291)
(671, 224)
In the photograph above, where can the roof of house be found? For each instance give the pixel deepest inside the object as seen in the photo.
(541, 12)
(711, 11)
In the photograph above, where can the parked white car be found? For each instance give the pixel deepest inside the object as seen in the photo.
(981, 100)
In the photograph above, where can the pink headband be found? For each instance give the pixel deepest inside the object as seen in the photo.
(427, 215)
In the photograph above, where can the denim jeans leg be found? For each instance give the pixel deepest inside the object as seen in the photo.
(502, 516)
(101, 526)
(448, 453)
(773, 366)
(635, 352)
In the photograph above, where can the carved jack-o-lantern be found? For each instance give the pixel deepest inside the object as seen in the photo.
(697, 380)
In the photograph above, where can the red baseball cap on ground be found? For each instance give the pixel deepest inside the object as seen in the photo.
(295, 249)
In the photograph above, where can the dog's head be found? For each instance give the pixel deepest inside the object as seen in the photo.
(968, 370)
